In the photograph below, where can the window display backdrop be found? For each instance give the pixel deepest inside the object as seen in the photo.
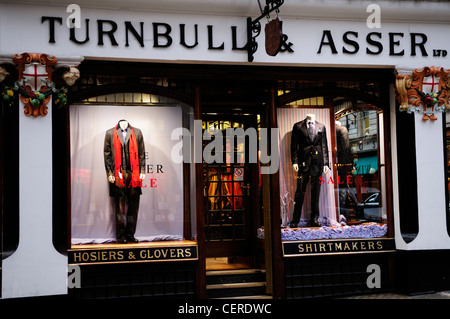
(286, 118)
(333, 225)
(160, 215)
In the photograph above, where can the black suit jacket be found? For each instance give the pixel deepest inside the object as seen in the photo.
(344, 157)
(109, 152)
(310, 155)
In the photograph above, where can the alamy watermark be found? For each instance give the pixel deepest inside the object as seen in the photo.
(374, 19)
(374, 279)
(74, 19)
(73, 276)
(190, 148)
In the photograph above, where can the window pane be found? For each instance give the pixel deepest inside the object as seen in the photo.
(332, 171)
(358, 168)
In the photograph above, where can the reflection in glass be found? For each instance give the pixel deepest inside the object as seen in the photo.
(357, 161)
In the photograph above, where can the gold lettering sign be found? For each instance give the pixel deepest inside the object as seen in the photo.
(132, 254)
(337, 246)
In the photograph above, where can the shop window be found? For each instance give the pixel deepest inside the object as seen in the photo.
(161, 205)
(335, 178)
(359, 193)
(130, 99)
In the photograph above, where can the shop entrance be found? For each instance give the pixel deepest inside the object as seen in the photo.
(230, 190)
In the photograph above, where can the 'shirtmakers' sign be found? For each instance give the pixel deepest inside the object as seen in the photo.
(122, 254)
(337, 246)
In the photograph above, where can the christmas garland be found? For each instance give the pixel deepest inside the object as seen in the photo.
(429, 99)
(36, 98)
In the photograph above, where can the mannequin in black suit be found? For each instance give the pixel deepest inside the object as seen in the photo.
(126, 194)
(309, 155)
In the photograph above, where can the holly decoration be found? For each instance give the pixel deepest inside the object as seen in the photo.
(61, 100)
(429, 99)
(36, 98)
(8, 96)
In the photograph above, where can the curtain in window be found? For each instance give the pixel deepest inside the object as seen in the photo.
(286, 118)
(161, 207)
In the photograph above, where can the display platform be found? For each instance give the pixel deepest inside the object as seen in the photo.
(87, 254)
(364, 230)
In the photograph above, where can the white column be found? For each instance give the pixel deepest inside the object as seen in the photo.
(399, 242)
(431, 186)
(35, 268)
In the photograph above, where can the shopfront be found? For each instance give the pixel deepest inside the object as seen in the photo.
(222, 187)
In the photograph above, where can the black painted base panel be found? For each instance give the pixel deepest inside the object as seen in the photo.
(161, 280)
(422, 271)
(336, 275)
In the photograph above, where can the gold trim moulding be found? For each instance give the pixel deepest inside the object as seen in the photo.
(134, 245)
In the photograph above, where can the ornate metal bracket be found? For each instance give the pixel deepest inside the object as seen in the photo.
(254, 27)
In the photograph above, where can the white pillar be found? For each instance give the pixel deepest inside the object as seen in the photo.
(399, 242)
(35, 268)
(431, 185)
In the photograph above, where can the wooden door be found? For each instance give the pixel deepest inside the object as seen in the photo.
(229, 190)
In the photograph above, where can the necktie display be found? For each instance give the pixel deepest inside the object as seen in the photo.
(311, 130)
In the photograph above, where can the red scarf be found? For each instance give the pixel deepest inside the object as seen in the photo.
(134, 159)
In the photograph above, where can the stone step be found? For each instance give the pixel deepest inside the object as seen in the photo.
(234, 276)
(236, 285)
(239, 283)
